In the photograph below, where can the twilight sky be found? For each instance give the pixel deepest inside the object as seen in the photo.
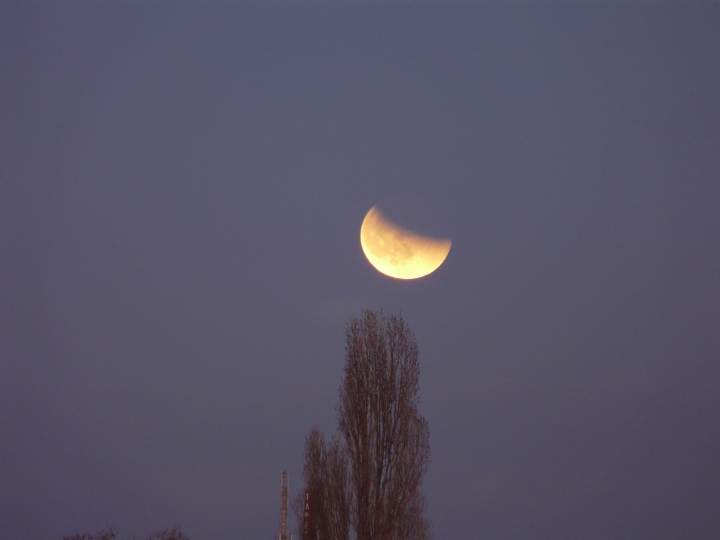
(181, 192)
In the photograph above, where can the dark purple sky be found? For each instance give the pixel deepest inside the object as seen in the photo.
(181, 192)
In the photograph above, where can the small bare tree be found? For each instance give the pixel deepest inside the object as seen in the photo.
(387, 440)
(325, 474)
(171, 533)
(110, 533)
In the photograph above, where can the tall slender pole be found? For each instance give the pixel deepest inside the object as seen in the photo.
(283, 506)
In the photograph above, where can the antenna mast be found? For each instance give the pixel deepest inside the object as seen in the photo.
(283, 506)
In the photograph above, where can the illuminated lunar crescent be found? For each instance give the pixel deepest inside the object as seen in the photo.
(398, 252)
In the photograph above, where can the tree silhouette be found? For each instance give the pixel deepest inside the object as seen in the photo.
(110, 533)
(325, 474)
(385, 441)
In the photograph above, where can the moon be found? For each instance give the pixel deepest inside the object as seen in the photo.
(398, 252)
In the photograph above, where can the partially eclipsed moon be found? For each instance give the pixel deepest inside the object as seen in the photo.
(398, 252)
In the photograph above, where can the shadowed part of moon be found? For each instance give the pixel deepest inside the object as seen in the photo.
(398, 252)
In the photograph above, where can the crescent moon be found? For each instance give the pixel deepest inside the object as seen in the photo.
(398, 252)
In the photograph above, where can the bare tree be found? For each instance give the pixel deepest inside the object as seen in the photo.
(413, 524)
(386, 439)
(171, 533)
(371, 480)
(110, 533)
(325, 474)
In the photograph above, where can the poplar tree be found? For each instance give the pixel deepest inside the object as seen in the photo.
(385, 445)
